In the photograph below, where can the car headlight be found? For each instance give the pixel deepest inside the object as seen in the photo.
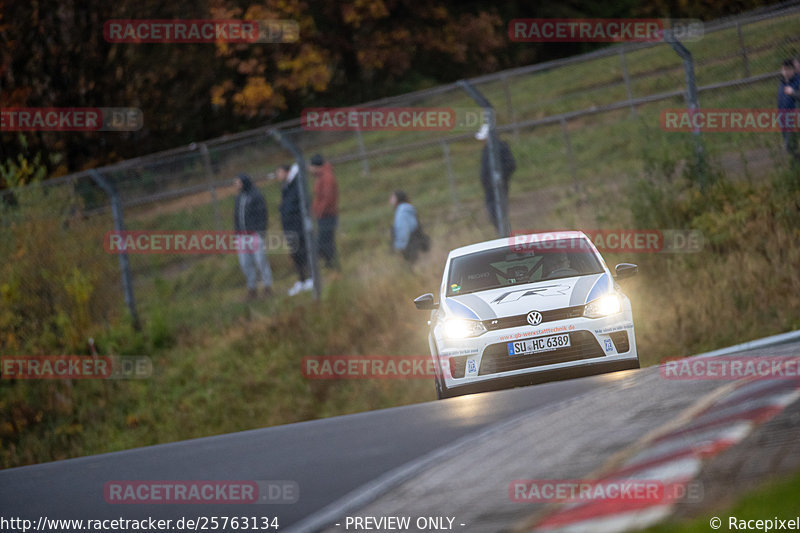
(461, 328)
(609, 304)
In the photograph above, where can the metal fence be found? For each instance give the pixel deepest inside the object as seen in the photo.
(562, 120)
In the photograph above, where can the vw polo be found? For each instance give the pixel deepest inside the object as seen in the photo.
(528, 309)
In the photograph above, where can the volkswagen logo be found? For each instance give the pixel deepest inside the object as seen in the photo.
(534, 318)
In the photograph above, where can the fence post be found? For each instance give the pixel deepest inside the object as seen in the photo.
(124, 263)
(570, 156)
(363, 151)
(493, 145)
(626, 76)
(691, 100)
(211, 188)
(308, 224)
(743, 49)
(512, 115)
(450, 176)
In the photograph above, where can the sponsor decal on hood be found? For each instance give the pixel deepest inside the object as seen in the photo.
(521, 299)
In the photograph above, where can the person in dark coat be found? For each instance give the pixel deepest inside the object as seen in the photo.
(507, 167)
(788, 94)
(292, 222)
(250, 216)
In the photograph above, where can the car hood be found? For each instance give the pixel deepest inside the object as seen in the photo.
(521, 299)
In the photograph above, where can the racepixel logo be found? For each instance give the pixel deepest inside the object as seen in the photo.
(394, 119)
(607, 490)
(201, 31)
(602, 30)
(367, 367)
(71, 119)
(608, 240)
(202, 492)
(730, 120)
(196, 242)
(75, 367)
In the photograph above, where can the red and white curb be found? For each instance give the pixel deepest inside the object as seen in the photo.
(675, 459)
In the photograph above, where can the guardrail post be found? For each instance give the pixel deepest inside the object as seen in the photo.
(743, 49)
(124, 263)
(512, 115)
(211, 188)
(450, 176)
(500, 200)
(570, 156)
(363, 151)
(626, 76)
(691, 101)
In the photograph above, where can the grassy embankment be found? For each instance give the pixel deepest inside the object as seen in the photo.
(775, 500)
(222, 365)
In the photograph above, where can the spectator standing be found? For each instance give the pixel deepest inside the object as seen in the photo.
(407, 235)
(325, 208)
(250, 216)
(292, 222)
(788, 93)
(507, 167)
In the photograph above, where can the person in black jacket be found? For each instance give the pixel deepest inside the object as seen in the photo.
(250, 216)
(507, 167)
(292, 221)
(788, 94)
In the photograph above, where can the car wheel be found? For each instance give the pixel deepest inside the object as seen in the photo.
(441, 388)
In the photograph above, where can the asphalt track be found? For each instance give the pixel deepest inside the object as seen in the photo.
(326, 458)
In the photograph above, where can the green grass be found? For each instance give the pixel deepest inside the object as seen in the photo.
(222, 365)
(776, 499)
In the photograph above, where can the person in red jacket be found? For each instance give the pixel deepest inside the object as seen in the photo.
(325, 208)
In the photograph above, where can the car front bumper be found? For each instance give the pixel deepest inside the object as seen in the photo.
(596, 345)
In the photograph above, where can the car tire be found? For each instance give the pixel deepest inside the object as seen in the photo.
(438, 379)
(441, 389)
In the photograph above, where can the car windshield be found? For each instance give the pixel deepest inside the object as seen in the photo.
(503, 267)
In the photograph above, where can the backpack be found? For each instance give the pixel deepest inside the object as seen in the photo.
(419, 241)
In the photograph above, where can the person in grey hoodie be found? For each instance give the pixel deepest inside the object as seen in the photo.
(407, 235)
(250, 216)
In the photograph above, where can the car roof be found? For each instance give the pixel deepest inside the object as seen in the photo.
(522, 238)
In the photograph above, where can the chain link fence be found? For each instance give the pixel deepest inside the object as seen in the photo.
(575, 126)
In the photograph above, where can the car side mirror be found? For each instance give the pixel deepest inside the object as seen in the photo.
(625, 270)
(425, 302)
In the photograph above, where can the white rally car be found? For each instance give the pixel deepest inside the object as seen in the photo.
(528, 309)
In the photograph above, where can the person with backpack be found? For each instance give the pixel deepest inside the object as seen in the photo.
(408, 238)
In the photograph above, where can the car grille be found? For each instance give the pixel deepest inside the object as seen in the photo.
(620, 340)
(496, 359)
(522, 320)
